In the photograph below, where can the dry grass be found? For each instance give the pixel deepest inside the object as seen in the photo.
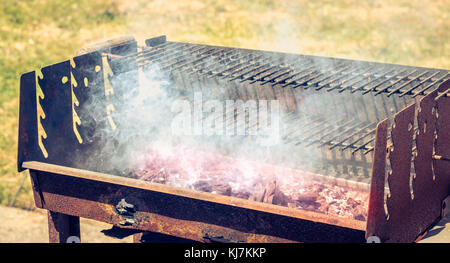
(38, 33)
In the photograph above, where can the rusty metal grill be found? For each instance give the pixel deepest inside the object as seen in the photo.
(250, 74)
(292, 71)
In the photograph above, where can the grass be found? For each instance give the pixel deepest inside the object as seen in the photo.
(35, 33)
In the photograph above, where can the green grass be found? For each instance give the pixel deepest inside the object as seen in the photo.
(38, 33)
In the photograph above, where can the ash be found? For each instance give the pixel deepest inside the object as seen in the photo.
(249, 180)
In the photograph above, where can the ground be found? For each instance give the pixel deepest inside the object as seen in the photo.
(21, 226)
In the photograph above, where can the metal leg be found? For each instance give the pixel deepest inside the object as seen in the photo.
(137, 238)
(62, 226)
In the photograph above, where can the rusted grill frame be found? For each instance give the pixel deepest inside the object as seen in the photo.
(163, 209)
(50, 182)
(413, 200)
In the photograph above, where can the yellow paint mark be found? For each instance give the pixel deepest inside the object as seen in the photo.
(73, 81)
(86, 82)
(64, 79)
(72, 63)
(97, 68)
(110, 108)
(40, 113)
(107, 72)
(76, 120)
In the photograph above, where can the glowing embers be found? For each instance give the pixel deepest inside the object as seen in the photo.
(252, 181)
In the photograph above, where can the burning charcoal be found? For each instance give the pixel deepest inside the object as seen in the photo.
(127, 173)
(360, 213)
(217, 188)
(141, 174)
(292, 205)
(273, 195)
(258, 193)
(307, 197)
(161, 176)
(202, 185)
(222, 176)
(241, 194)
(352, 202)
(312, 206)
(317, 188)
(270, 191)
(223, 189)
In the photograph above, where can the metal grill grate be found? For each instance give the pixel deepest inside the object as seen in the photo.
(352, 96)
(292, 70)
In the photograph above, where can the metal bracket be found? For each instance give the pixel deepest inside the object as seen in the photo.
(126, 211)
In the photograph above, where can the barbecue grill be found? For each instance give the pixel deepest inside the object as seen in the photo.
(381, 131)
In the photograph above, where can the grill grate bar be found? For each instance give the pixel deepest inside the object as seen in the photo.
(167, 59)
(344, 131)
(182, 58)
(350, 123)
(268, 66)
(196, 61)
(356, 78)
(322, 127)
(290, 76)
(316, 76)
(258, 67)
(280, 74)
(441, 79)
(226, 55)
(360, 138)
(386, 89)
(235, 68)
(388, 79)
(367, 79)
(414, 86)
(336, 78)
(159, 53)
(150, 51)
(341, 142)
(317, 81)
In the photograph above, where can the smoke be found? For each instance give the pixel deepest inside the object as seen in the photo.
(182, 128)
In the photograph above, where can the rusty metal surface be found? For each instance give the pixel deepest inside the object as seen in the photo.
(442, 148)
(52, 96)
(28, 134)
(63, 228)
(57, 106)
(427, 200)
(415, 195)
(184, 217)
(35, 167)
(270, 80)
(399, 200)
(376, 215)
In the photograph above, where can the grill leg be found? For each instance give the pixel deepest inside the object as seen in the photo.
(62, 226)
(137, 238)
